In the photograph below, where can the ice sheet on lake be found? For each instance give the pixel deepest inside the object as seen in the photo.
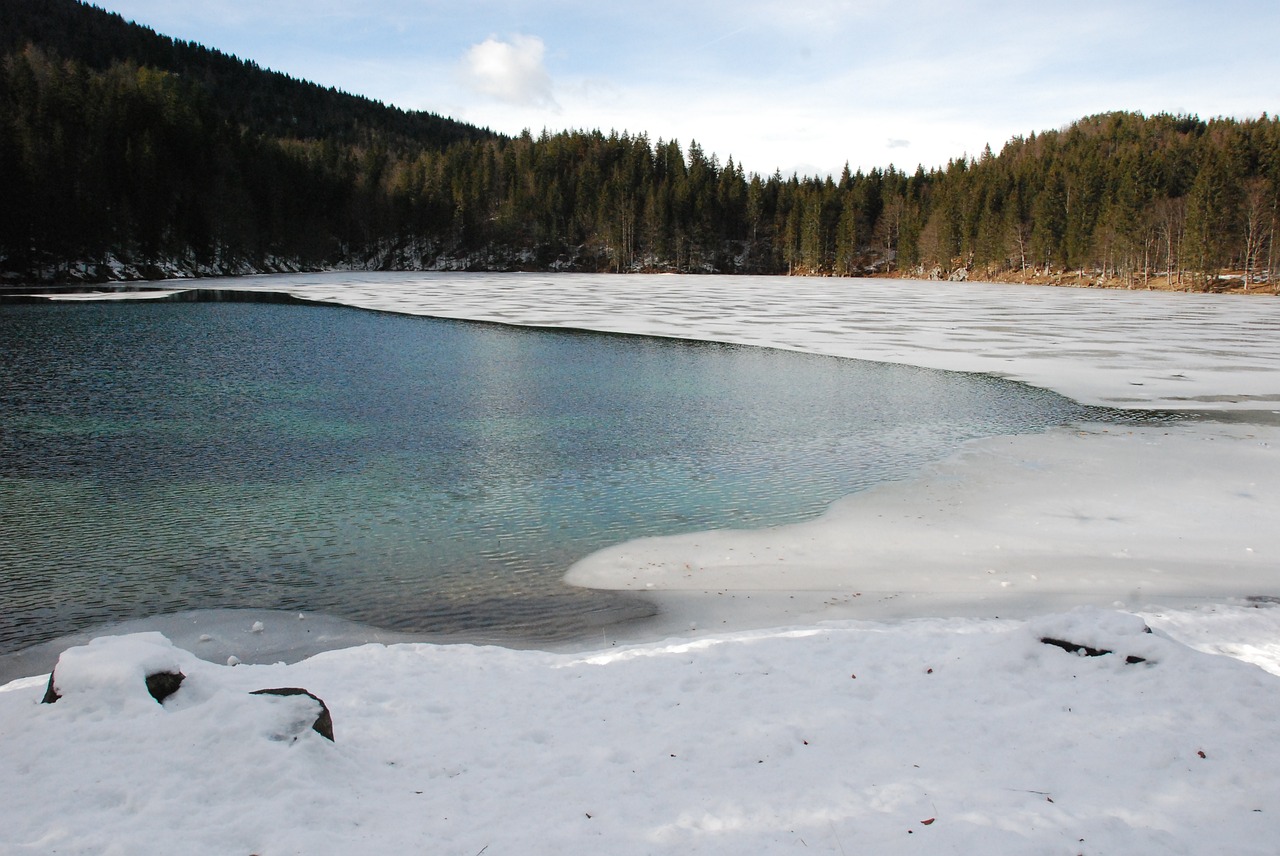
(1011, 525)
(1108, 347)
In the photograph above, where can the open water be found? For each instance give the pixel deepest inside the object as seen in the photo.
(416, 474)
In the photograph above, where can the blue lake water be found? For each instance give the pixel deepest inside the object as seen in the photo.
(411, 473)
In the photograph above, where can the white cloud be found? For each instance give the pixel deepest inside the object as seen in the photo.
(511, 71)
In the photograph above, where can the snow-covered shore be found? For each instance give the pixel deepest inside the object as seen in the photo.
(933, 736)
(952, 734)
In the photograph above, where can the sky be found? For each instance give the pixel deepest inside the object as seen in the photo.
(800, 86)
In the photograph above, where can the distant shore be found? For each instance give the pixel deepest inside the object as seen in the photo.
(140, 278)
(1227, 282)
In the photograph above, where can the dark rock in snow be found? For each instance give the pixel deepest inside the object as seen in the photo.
(161, 685)
(324, 722)
(51, 693)
(1075, 648)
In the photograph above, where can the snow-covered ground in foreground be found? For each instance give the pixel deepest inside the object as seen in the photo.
(953, 736)
(937, 735)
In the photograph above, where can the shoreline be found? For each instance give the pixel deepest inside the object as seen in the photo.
(1227, 281)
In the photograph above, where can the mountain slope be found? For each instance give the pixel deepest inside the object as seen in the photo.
(261, 101)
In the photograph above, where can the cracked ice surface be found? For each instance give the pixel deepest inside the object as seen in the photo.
(1148, 350)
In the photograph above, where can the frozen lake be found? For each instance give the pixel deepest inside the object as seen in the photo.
(417, 474)
(969, 734)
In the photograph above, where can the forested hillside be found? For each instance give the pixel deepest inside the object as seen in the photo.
(125, 153)
(120, 145)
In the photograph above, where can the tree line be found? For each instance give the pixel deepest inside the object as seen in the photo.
(125, 153)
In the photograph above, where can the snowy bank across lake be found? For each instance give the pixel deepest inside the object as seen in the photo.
(910, 733)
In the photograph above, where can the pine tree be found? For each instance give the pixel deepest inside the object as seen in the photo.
(1206, 220)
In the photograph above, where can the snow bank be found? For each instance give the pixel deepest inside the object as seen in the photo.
(946, 736)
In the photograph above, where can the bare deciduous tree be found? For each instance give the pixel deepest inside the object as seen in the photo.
(889, 229)
(1259, 220)
(1170, 216)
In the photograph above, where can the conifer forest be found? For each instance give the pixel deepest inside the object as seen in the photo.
(126, 154)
